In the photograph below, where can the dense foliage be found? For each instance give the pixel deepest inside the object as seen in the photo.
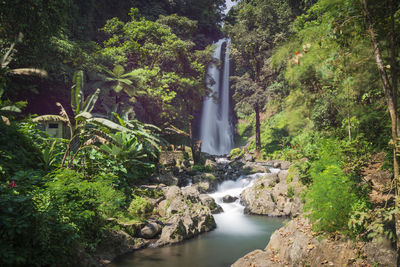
(122, 76)
(307, 86)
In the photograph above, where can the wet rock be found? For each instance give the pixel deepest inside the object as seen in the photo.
(249, 158)
(150, 230)
(229, 199)
(185, 215)
(269, 196)
(208, 201)
(116, 243)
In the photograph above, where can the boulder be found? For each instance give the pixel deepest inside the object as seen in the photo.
(269, 196)
(208, 201)
(150, 230)
(187, 224)
(229, 199)
(279, 164)
(249, 158)
(210, 162)
(380, 251)
(295, 245)
(116, 243)
(191, 193)
(133, 228)
(184, 214)
(165, 178)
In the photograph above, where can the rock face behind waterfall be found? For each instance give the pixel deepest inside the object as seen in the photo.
(273, 195)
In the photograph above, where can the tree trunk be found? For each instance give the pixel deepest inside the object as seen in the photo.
(348, 113)
(389, 91)
(193, 146)
(258, 133)
(394, 73)
(391, 98)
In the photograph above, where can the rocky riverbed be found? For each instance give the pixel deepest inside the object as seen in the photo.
(180, 207)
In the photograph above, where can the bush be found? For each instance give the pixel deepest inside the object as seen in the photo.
(201, 168)
(236, 152)
(31, 231)
(139, 207)
(83, 204)
(331, 195)
(17, 151)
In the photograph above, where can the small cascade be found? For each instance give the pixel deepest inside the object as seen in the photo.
(216, 129)
(232, 220)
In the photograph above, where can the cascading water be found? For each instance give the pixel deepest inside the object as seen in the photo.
(232, 219)
(216, 129)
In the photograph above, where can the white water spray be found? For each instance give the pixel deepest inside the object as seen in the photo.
(216, 129)
(232, 220)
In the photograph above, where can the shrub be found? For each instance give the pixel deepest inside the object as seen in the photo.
(331, 194)
(31, 231)
(83, 203)
(139, 207)
(290, 192)
(17, 151)
(236, 152)
(201, 168)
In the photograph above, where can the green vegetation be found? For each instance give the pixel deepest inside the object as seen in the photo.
(201, 168)
(310, 89)
(315, 82)
(108, 81)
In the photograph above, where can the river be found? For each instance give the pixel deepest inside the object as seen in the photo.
(236, 234)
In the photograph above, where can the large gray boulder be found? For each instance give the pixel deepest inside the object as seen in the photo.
(151, 230)
(116, 243)
(184, 215)
(208, 201)
(271, 195)
(296, 245)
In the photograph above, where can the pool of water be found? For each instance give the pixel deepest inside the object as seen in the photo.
(219, 248)
(236, 235)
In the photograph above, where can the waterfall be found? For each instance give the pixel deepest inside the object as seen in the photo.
(216, 129)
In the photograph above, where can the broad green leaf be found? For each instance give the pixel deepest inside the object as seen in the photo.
(91, 101)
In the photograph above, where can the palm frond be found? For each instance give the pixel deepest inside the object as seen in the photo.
(29, 72)
(47, 118)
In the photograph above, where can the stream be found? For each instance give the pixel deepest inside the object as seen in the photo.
(236, 235)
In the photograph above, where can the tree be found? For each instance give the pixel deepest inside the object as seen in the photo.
(167, 70)
(260, 26)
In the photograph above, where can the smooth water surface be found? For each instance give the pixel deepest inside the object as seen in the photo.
(218, 248)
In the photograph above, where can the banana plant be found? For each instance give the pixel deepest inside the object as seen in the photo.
(84, 126)
(126, 148)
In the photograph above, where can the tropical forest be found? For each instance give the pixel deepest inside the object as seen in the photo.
(201, 133)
